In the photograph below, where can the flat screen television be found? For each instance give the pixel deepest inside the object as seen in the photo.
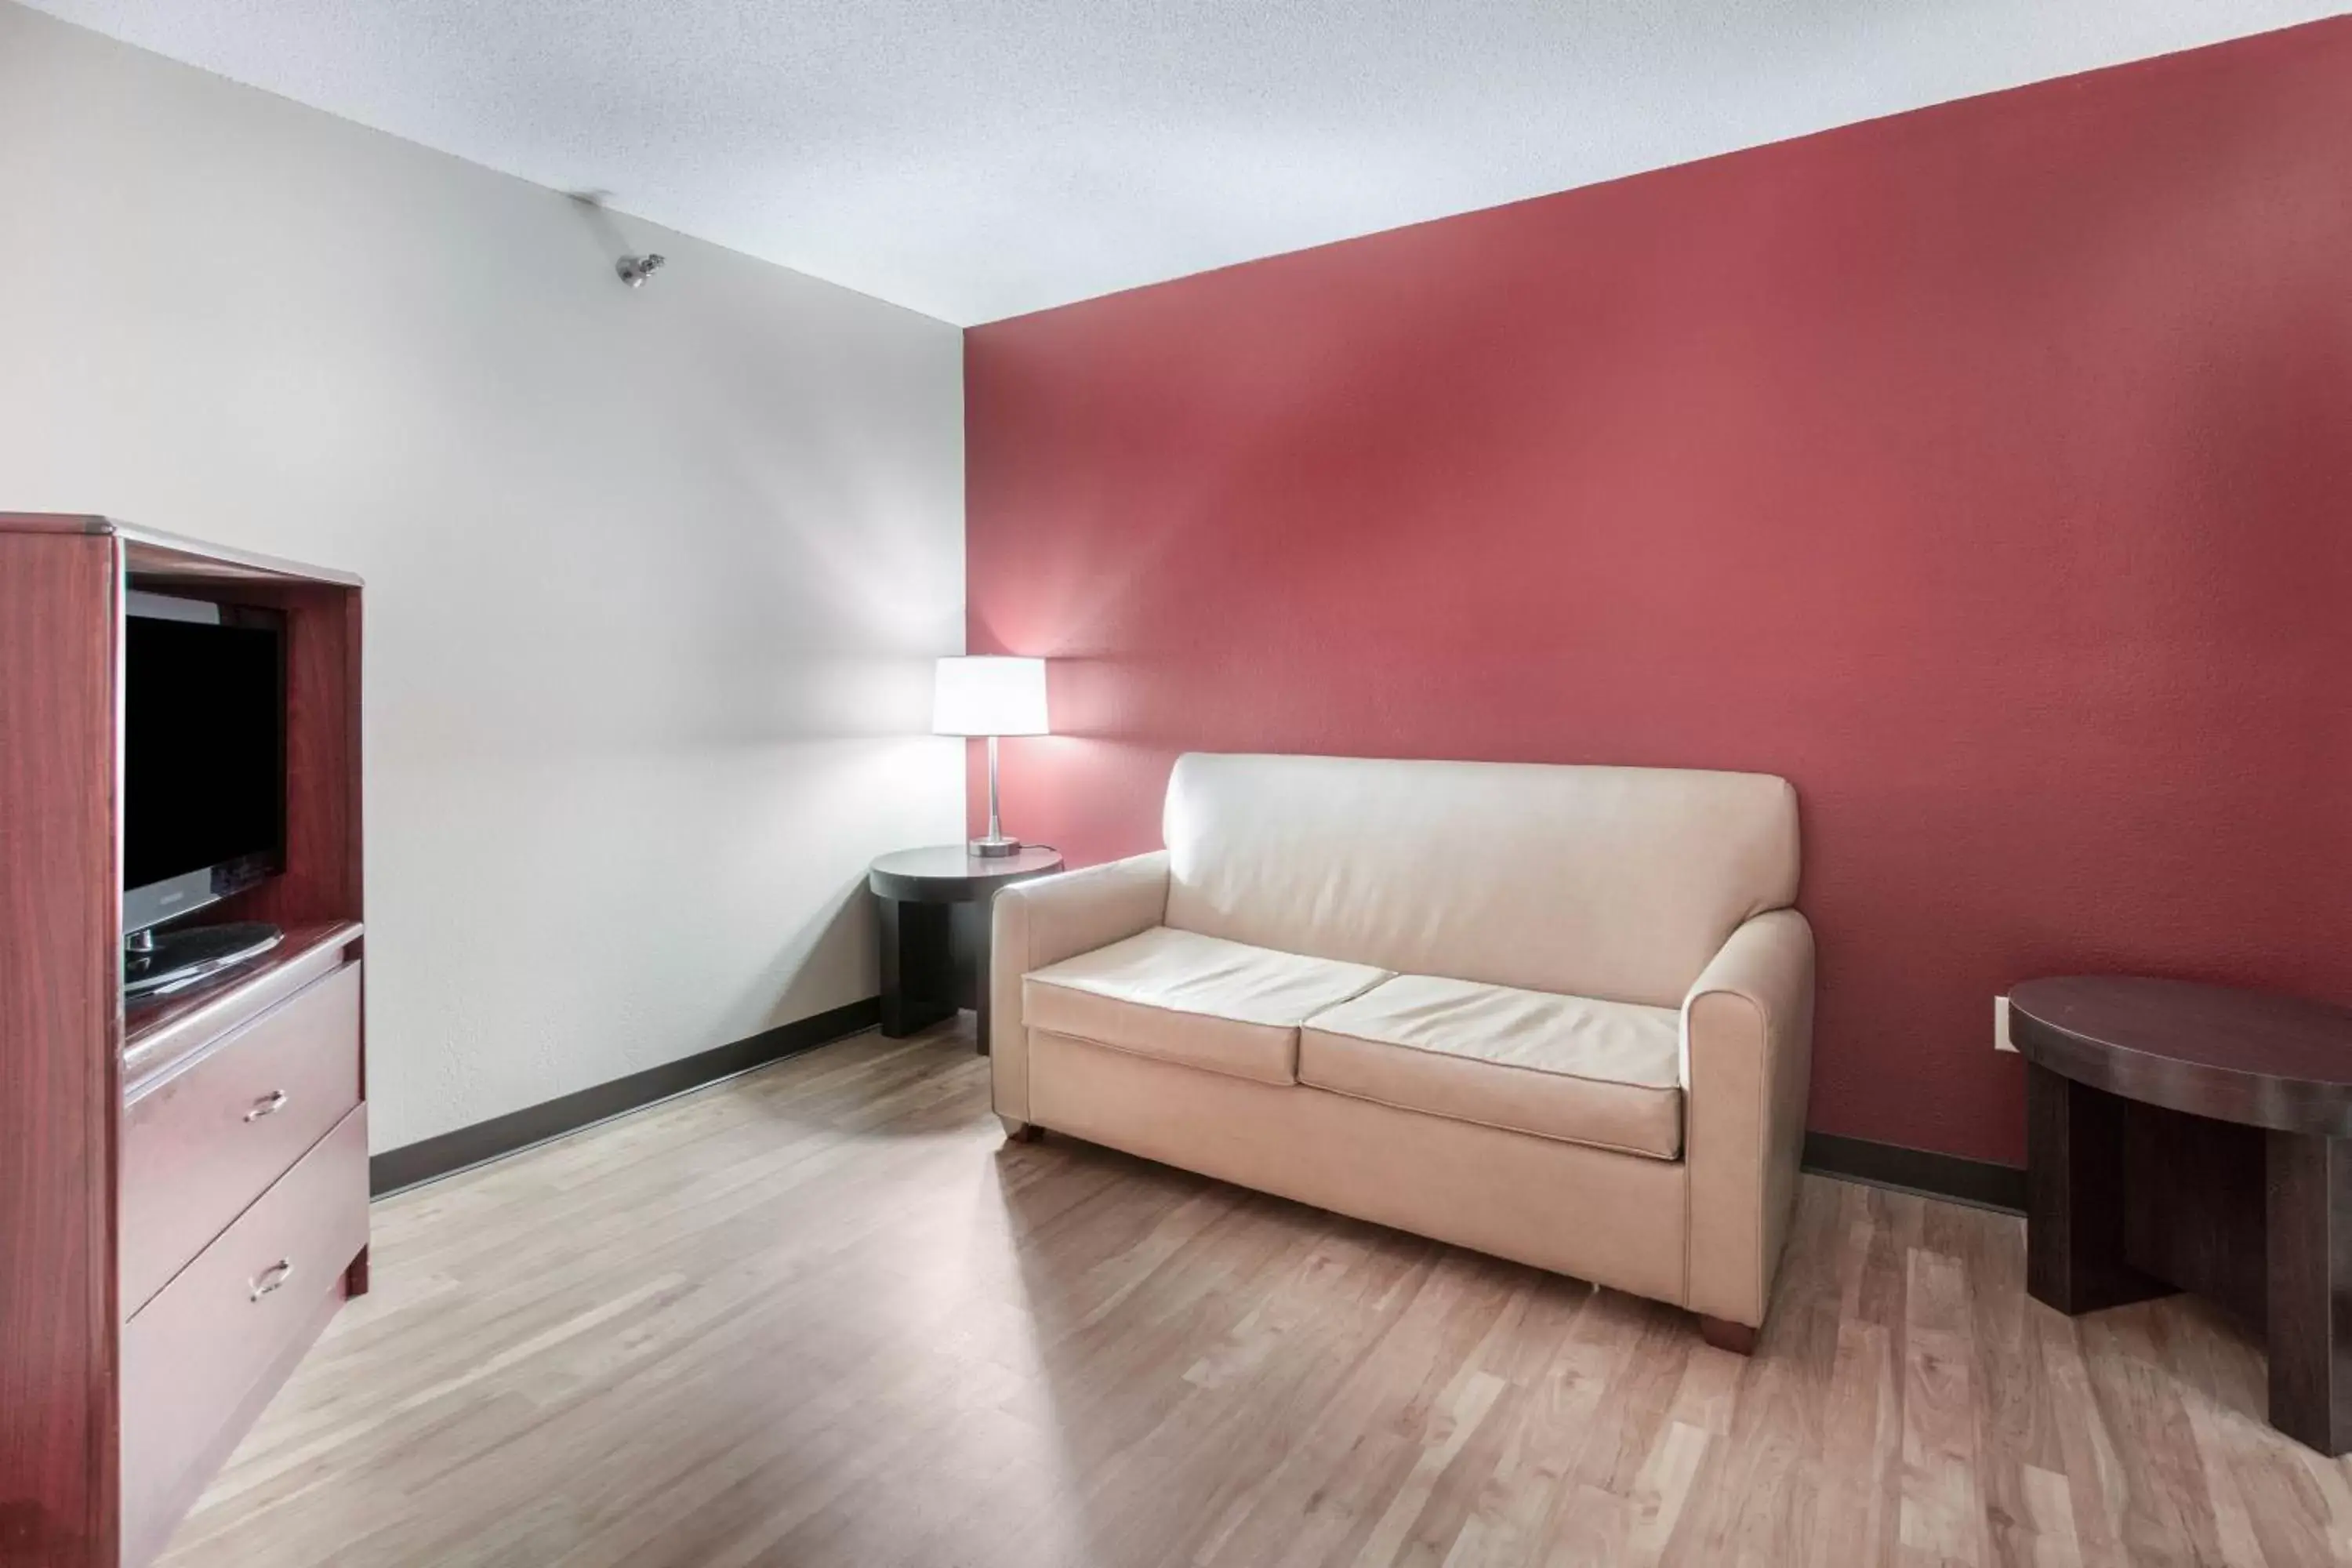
(204, 754)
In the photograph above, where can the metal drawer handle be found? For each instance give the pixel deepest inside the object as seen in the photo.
(269, 1104)
(271, 1277)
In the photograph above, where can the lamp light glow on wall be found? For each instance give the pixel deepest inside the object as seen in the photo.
(990, 696)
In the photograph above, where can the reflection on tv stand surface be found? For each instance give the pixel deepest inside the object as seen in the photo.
(158, 964)
(160, 1032)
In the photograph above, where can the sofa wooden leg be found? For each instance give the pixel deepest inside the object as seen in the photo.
(1018, 1131)
(1724, 1334)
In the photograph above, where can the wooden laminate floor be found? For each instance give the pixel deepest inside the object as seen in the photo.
(821, 1316)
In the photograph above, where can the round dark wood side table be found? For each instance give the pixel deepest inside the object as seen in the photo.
(2186, 1137)
(934, 905)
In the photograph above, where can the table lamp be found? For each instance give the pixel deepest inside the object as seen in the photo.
(990, 696)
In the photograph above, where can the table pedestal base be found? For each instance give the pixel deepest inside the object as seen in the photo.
(935, 907)
(2126, 1201)
(934, 962)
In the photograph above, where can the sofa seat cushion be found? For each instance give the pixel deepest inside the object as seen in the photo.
(1199, 1000)
(1607, 1074)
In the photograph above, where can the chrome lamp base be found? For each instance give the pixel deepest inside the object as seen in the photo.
(994, 844)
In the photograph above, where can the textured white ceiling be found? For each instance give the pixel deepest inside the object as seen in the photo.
(979, 159)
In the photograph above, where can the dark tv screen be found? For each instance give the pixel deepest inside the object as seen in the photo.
(204, 747)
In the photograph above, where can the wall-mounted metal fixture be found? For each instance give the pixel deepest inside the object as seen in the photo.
(635, 269)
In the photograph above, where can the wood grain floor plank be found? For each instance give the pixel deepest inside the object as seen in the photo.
(1940, 1520)
(2168, 1509)
(822, 1315)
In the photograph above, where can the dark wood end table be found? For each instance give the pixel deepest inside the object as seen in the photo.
(935, 905)
(2187, 1136)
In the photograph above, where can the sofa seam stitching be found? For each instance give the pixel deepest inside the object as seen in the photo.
(1171, 1061)
(1371, 1099)
(1496, 1126)
(1674, 1089)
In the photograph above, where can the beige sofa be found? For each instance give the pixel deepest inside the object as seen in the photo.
(1562, 1014)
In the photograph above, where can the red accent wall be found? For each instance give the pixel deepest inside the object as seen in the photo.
(1986, 470)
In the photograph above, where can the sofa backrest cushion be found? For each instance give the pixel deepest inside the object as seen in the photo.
(1618, 883)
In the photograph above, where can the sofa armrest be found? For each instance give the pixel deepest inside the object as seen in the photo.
(1049, 920)
(1748, 1046)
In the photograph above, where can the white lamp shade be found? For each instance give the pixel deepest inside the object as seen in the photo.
(989, 696)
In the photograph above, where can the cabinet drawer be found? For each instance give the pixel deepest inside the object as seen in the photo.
(194, 1357)
(204, 1143)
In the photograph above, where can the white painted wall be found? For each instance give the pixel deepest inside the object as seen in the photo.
(653, 578)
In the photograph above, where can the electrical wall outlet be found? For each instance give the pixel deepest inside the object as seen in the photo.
(2000, 1025)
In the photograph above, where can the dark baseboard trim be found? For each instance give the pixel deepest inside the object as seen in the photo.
(1978, 1182)
(450, 1153)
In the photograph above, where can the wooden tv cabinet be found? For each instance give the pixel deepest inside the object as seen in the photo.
(182, 1183)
